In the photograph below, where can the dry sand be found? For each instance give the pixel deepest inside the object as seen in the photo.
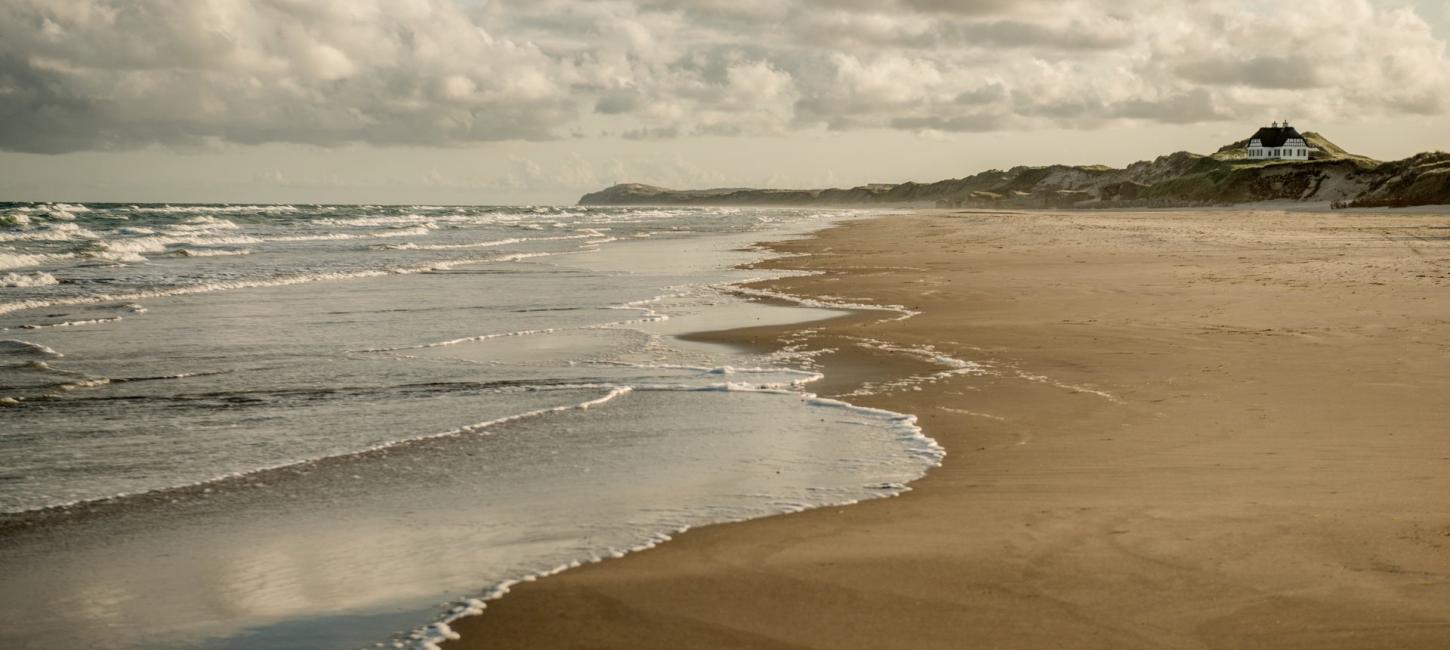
(1210, 429)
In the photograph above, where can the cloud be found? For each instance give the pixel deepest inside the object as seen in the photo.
(120, 74)
(100, 74)
(1291, 72)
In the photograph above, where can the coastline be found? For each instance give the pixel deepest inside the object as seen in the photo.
(1196, 430)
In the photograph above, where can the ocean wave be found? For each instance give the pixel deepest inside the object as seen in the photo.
(188, 252)
(19, 348)
(63, 211)
(204, 223)
(15, 218)
(71, 323)
(416, 231)
(38, 279)
(412, 246)
(382, 220)
(115, 256)
(208, 287)
(159, 243)
(51, 232)
(15, 260)
(217, 209)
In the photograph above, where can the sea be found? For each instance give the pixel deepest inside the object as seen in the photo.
(345, 426)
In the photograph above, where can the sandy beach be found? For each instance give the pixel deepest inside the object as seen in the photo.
(1208, 429)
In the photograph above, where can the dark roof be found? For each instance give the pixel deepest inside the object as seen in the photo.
(1276, 136)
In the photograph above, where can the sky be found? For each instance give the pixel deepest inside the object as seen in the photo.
(539, 101)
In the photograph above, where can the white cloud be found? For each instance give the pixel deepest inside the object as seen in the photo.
(888, 80)
(117, 74)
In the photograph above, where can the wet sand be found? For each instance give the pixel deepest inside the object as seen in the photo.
(1210, 429)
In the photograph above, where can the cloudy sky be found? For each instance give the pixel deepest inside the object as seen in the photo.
(537, 101)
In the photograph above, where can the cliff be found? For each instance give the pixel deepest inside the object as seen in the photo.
(1225, 177)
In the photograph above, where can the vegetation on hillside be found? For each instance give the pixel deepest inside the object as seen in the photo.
(1225, 177)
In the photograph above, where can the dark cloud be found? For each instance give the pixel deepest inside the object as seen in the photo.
(617, 102)
(983, 95)
(1017, 34)
(1197, 105)
(1289, 72)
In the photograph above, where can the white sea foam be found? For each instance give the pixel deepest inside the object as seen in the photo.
(51, 232)
(332, 236)
(204, 223)
(39, 279)
(824, 303)
(416, 231)
(802, 377)
(203, 252)
(928, 353)
(522, 256)
(122, 256)
(64, 211)
(381, 220)
(217, 209)
(465, 339)
(208, 287)
(412, 246)
(1076, 388)
(84, 383)
(15, 218)
(14, 260)
(159, 243)
(71, 323)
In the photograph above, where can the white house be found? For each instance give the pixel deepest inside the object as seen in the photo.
(1279, 143)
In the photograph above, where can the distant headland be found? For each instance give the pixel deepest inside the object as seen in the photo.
(1276, 163)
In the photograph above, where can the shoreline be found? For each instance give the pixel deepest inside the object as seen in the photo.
(345, 564)
(1146, 477)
